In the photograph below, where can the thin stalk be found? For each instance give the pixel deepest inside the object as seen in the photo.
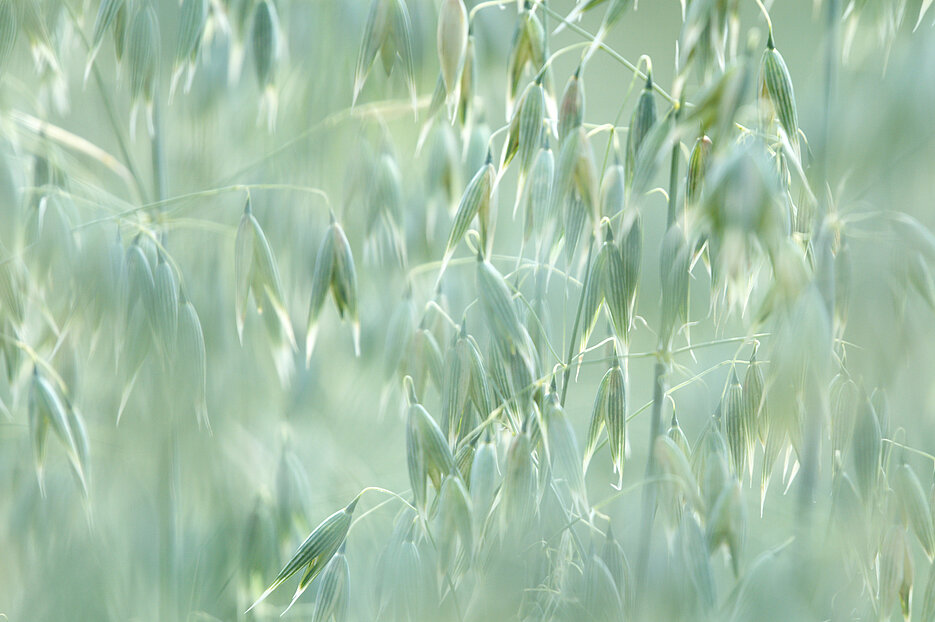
(613, 53)
(109, 109)
(158, 152)
(649, 493)
(574, 330)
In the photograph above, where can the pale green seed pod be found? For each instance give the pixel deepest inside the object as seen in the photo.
(468, 80)
(344, 284)
(613, 191)
(143, 59)
(754, 395)
(915, 506)
(193, 16)
(243, 267)
(315, 553)
(454, 523)
(614, 557)
(565, 459)
(617, 290)
(675, 258)
(377, 31)
(81, 466)
(456, 387)
(601, 597)
(697, 561)
(399, 335)
(844, 396)
(571, 110)
(891, 566)
(528, 50)
(594, 294)
(255, 271)
(47, 410)
(140, 282)
(497, 304)
(107, 12)
(736, 422)
(192, 361)
(611, 404)
(264, 37)
(452, 44)
(321, 282)
(642, 121)
(519, 490)
(727, 523)
(120, 30)
(166, 313)
(866, 448)
(425, 360)
(698, 163)
(526, 127)
(480, 392)
(485, 477)
(539, 192)
(673, 462)
(333, 586)
(777, 88)
(475, 202)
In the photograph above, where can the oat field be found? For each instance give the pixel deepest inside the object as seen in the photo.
(467, 310)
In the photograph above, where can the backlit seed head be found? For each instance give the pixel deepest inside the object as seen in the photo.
(315, 553)
(610, 405)
(192, 361)
(528, 51)
(601, 597)
(697, 168)
(333, 587)
(571, 110)
(264, 37)
(454, 522)
(915, 506)
(497, 304)
(642, 121)
(613, 192)
(166, 313)
(519, 490)
(143, 61)
(485, 477)
(193, 16)
(452, 45)
(564, 456)
(388, 32)
(727, 524)
(736, 420)
(475, 202)
(776, 90)
(255, 272)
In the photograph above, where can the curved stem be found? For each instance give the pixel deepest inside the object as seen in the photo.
(613, 53)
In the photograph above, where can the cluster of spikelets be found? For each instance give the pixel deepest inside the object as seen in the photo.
(498, 522)
(747, 204)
